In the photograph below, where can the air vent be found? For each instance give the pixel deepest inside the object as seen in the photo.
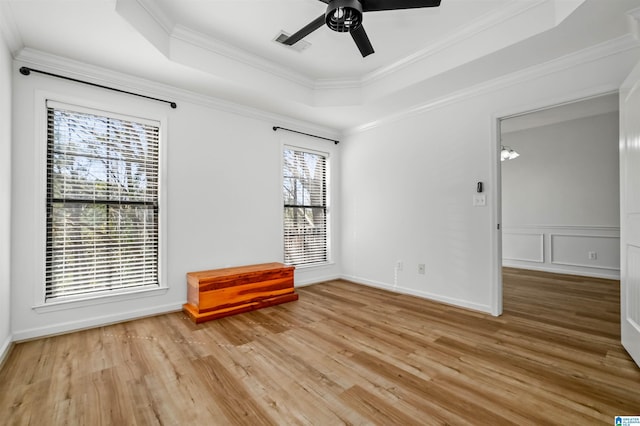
(298, 47)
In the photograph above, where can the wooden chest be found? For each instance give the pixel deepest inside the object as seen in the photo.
(221, 292)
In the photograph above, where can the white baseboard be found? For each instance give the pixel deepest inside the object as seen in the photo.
(422, 294)
(100, 321)
(610, 275)
(316, 280)
(5, 349)
(105, 320)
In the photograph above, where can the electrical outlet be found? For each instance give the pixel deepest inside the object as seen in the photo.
(399, 265)
(593, 255)
(421, 269)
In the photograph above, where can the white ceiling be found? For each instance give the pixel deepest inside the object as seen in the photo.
(225, 48)
(395, 35)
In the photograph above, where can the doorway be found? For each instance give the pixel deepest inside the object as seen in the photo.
(560, 195)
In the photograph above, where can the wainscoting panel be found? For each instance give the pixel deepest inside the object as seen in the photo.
(573, 250)
(592, 251)
(523, 247)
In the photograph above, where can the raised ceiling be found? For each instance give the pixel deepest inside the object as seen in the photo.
(250, 27)
(226, 48)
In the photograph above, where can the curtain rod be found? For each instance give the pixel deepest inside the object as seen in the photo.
(27, 71)
(306, 134)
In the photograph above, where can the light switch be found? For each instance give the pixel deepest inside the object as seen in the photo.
(479, 200)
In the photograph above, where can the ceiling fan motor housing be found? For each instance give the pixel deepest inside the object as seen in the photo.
(344, 15)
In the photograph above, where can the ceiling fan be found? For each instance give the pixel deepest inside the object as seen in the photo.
(346, 16)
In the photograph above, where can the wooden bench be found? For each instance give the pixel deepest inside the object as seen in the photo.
(221, 292)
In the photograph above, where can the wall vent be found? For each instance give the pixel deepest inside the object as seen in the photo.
(298, 47)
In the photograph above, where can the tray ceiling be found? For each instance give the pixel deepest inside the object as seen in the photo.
(226, 48)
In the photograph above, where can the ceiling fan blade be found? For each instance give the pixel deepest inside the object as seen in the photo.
(362, 41)
(305, 31)
(376, 5)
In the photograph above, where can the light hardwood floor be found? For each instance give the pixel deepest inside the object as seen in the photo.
(342, 354)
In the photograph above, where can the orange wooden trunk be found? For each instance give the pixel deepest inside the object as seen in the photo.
(221, 292)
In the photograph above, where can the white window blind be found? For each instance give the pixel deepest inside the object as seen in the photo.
(102, 204)
(305, 207)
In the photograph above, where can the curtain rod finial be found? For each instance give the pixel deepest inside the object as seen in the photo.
(25, 71)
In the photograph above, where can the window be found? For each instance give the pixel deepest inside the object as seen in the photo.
(305, 207)
(102, 204)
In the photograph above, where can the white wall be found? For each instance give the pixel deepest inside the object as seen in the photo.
(223, 195)
(560, 198)
(567, 174)
(402, 191)
(408, 185)
(5, 198)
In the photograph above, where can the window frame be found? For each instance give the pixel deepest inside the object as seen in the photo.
(328, 215)
(125, 110)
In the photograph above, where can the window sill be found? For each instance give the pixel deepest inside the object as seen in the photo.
(98, 300)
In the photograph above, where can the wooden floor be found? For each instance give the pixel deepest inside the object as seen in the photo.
(342, 354)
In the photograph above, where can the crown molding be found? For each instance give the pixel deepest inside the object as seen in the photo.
(581, 57)
(216, 46)
(158, 15)
(479, 25)
(75, 69)
(239, 55)
(178, 32)
(9, 30)
(633, 20)
(332, 84)
(235, 53)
